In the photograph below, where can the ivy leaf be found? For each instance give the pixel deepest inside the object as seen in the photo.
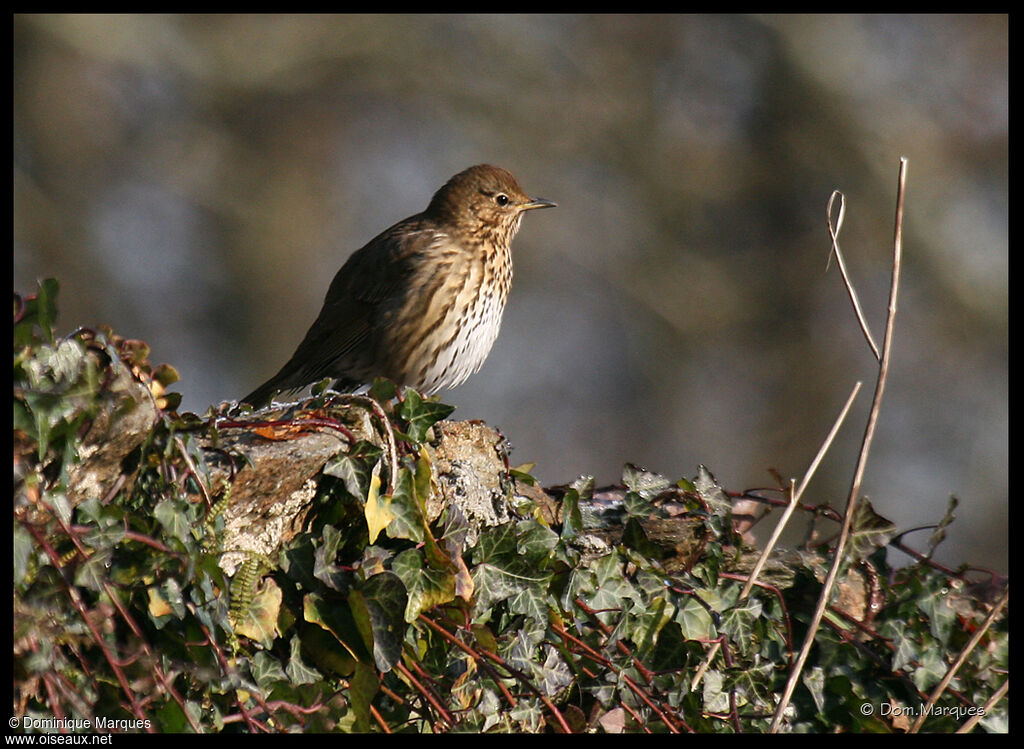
(426, 587)
(336, 619)
(297, 671)
(41, 310)
(930, 670)
(648, 485)
(572, 522)
(531, 600)
(716, 700)
(363, 687)
(378, 508)
(649, 623)
(939, 534)
(814, 679)
(404, 509)
(383, 390)
(258, 620)
(355, 468)
(378, 607)
(324, 567)
(23, 546)
(92, 573)
(694, 620)
(613, 593)
(535, 542)
(941, 616)
(173, 521)
(711, 492)
(738, 622)
(266, 670)
(420, 414)
(869, 531)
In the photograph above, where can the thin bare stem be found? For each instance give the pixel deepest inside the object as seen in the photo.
(192, 469)
(796, 495)
(985, 709)
(834, 233)
(960, 660)
(865, 449)
(794, 502)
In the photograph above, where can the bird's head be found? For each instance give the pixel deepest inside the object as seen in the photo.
(484, 201)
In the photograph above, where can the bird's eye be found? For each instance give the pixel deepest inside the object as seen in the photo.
(501, 199)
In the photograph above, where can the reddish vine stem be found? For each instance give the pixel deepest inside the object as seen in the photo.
(521, 677)
(225, 667)
(79, 604)
(509, 697)
(157, 671)
(380, 719)
(620, 645)
(427, 693)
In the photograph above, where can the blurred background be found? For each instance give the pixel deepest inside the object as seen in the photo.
(196, 181)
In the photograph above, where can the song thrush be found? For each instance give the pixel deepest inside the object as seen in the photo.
(421, 303)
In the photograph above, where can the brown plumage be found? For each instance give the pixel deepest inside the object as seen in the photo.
(421, 303)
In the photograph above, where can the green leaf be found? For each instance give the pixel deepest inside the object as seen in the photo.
(425, 587)
(739, 621)
(716, 700)
(644, 483)
(406, 509)
(694, 620)
(336, 619)
(613, 593)
(324, 567)
(814, 679)
(711, 492)
(355, 468)
(378, 607)
(869, 531)
(383, 390)
(266, 670)
(363, 687)
(23, 547)
(535, 543)
(930, 670)
(46, 307)
(941, 616)
(572, 521)
(92, 573)
(173, 521)
(420, 415)
(939, 534)
(297, 671)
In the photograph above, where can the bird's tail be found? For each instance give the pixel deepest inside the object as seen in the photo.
(261, 396)
(284, 382)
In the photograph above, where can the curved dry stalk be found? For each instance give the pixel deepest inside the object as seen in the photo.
(865, 449)
(834, 233)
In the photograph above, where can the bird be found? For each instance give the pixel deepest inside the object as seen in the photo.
(421, 303)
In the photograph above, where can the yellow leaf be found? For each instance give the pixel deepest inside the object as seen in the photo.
(157, 605)
(378, 512)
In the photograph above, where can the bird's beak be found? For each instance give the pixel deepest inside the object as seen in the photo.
(537, 203)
